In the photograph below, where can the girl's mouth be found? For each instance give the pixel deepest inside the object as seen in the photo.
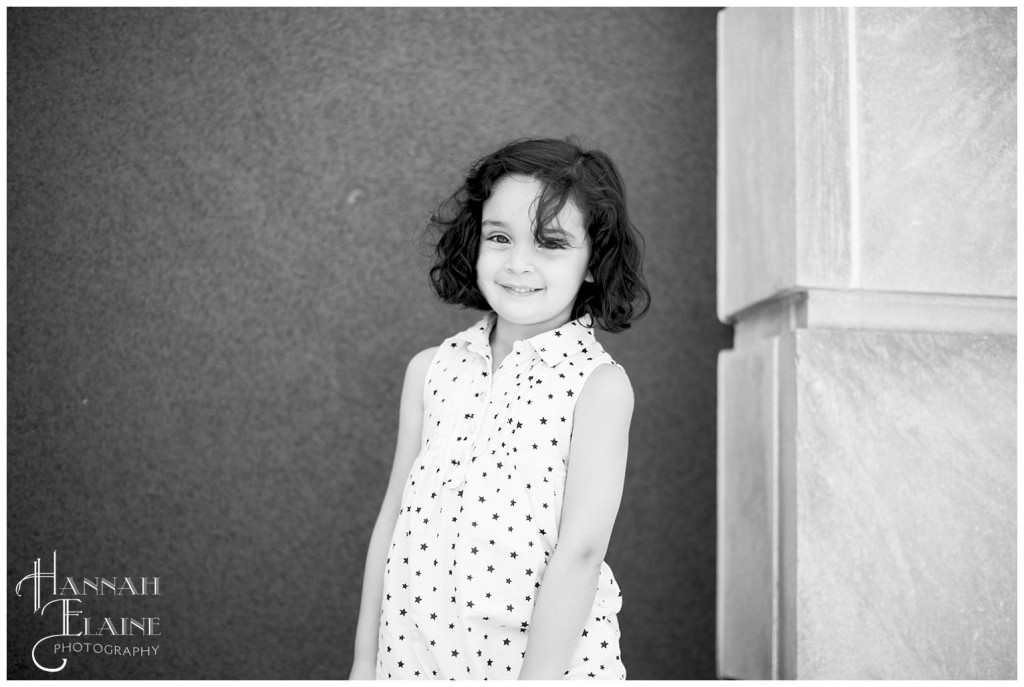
(519, 290)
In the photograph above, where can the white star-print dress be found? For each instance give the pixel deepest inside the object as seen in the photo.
(480, 513)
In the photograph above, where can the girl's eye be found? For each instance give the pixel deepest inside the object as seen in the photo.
(497, 238)
(551, 244)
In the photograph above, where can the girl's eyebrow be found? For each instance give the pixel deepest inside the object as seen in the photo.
(495, 222)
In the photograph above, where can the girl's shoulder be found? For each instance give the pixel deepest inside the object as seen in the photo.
(416, 370)
(608, 384)
(421, 361)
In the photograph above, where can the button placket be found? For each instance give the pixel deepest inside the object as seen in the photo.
(483, 405)
(498, 384)
(478, 422)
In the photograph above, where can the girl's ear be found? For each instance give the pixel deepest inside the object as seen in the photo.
(589, 277)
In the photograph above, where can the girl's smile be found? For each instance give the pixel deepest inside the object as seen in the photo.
(520, 290)
(529, 276)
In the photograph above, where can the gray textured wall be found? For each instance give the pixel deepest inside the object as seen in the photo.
(215, 279)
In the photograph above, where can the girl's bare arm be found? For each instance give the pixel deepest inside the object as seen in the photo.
(410, 430)
(593, 490)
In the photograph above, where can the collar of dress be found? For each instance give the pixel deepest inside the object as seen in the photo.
(552, 346)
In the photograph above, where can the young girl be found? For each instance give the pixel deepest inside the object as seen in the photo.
(486, 561)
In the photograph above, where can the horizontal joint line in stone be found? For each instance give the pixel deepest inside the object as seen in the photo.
(885, 310)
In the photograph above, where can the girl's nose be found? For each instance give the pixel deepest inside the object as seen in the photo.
(520, 260)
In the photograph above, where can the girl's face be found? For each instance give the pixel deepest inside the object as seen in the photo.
(530, 281)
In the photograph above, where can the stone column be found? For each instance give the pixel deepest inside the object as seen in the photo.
(867, 450)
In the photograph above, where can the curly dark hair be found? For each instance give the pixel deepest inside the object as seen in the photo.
(618, 294)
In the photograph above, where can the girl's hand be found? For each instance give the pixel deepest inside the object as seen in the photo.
(365, 670)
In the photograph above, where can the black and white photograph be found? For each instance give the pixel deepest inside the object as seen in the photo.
(511, 342)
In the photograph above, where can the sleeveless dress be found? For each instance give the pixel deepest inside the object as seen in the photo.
(480, 513)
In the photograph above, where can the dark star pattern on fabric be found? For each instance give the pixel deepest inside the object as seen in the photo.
(480, 513)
